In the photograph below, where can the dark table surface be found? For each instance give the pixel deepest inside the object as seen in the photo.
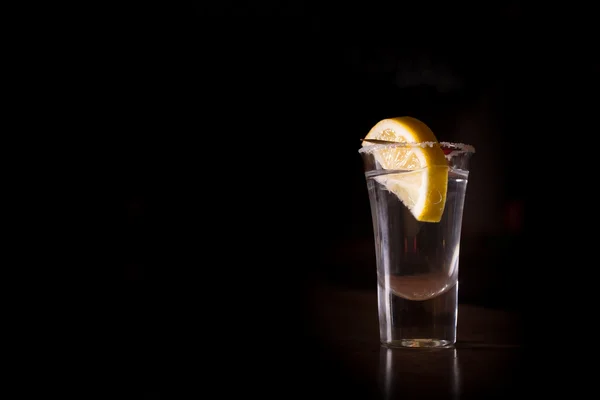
(330, 352)
(323, 343)
(486, 362)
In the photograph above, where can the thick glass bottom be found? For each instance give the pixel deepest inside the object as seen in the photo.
(419, 343)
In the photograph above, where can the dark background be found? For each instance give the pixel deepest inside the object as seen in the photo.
(240, 188)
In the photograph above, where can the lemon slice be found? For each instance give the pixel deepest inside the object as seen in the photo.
(423, 185)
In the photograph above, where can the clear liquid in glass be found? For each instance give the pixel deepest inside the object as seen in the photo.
(417, 266)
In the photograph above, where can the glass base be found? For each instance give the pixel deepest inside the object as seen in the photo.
(419, 343)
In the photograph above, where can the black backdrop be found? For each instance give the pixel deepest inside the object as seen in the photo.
(239, 185)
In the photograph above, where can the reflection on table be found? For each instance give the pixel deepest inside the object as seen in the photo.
(485, 362)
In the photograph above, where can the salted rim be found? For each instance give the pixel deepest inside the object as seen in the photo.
(467, 148)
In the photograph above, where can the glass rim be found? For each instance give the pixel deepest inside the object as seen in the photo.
(462, 147)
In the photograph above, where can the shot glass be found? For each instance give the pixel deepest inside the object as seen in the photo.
(417, 262)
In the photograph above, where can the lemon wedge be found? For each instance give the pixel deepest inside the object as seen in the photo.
(421, 180)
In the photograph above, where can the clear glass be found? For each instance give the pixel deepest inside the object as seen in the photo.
(417, 262)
